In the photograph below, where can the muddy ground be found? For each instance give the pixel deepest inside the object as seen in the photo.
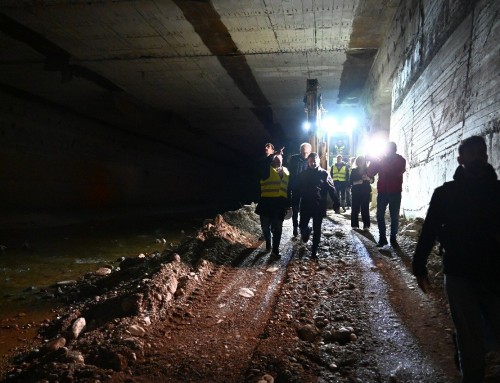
(218, 308)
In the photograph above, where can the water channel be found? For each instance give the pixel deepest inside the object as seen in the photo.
(35, 257)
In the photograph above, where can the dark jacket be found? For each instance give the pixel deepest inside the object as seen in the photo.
(263, 166)
(296, 166)
(390, 171)
(356, 186)
(464, 215)
(314, 186)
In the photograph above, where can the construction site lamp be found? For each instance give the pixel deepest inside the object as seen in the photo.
(329, 125)
(349, 123)
(306, 125)
(375, 147)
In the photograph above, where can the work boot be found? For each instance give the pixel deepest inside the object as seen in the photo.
(382, 242)
(268, 244)
(394, 241)
(276, 249)
(306, 235)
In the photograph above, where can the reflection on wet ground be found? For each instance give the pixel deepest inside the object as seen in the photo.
(31, 259)
(399, 356)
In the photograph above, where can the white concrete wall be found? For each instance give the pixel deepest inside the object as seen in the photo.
(445, 89)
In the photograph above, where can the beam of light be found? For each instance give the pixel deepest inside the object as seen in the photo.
(329, 125)
(306, 125)
(349, 123)
(374, 147)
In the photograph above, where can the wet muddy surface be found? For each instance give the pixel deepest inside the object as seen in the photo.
(218, 308)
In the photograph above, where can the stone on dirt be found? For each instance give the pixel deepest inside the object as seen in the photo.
(266, 379)
(55, 344)
(102, 271)
(246, 292)
(307, 332)
(136, 330)
(78, 327)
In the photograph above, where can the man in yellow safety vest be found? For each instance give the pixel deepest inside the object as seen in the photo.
(274, 202)
(340, 175)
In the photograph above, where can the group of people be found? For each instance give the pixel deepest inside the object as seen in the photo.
(462, 217)
(304, 187)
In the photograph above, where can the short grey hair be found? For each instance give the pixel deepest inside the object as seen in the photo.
(304, 144)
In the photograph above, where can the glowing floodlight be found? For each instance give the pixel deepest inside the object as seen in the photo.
(306, 126)
(375, 147)
(349, 123)
(329, 125)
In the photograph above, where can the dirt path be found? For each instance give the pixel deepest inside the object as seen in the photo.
(353, 316)
(356, 315)
(216, 323)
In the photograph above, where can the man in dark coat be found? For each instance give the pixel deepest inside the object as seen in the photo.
(469, 233)
(297, 164)
(314, 186)
(390, 169)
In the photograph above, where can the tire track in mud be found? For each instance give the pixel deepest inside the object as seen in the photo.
(215, 335)
(211, 334)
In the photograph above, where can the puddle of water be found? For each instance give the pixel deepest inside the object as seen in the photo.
(34, 258)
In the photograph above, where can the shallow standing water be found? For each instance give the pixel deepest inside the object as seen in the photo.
(33, 258)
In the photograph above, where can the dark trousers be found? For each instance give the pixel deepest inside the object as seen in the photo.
(295, 208)
(472, 302)
(341, 186)
(360, 202)
(394, 202)
(305, 229)
(272, 228)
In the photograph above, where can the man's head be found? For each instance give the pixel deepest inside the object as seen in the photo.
(305, 149)
(391, 148)
(277, 161)
(472, 155)
(313, 160)
(269, 149)
(360, 162)
(339, 159)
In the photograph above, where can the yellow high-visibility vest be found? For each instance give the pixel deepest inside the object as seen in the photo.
(274, 186)
(339, 175)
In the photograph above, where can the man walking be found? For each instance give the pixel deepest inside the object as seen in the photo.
(273, 203)
(314, 185)
(390, 169)
(298, 163)
(340, 175)
(469, 233)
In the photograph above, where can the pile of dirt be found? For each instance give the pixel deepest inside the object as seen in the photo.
(105, 314)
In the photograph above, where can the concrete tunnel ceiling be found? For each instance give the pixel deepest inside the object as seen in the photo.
(208, 77)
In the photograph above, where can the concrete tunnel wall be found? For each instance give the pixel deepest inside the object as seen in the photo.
(445, 87)
(54, 160)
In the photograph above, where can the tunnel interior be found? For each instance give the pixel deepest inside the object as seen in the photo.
(148, 104)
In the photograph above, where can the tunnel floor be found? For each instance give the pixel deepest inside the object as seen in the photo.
(238, 315)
